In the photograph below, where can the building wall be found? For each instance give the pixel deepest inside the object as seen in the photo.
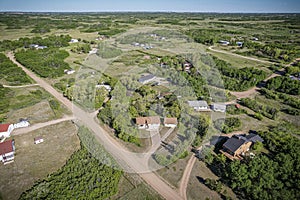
(170, 125)
(11, 155)
(243, 148)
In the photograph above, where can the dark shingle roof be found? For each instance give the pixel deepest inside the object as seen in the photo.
(254, 138)
(146, 78)
(232, 144)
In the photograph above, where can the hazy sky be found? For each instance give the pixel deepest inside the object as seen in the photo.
(152, 5)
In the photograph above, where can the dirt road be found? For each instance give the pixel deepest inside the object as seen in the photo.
(20, 86)
(19, 131)
(131, 161)
(240, 56)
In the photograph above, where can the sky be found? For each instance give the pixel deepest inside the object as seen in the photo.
(261, 6)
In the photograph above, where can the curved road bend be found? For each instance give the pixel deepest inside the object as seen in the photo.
(136, 163)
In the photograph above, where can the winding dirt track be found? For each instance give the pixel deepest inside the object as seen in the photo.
(132, 162)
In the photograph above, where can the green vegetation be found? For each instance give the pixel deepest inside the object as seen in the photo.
(11, 73)
(228, 125)
(273, 176)
(284, 84)
(265, 110)
(81, 48)
(5, 94)
(105, 51)
(83, 176)
(48, 63)
(239, 79)
(51, 41)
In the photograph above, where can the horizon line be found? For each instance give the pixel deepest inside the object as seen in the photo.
(120, 11)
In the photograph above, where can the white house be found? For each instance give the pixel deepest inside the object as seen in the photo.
(148, 122)
(218, 107)
(198, 105)
(170, 122)
(7, 150)
(21, 124)
(107, 87)
(224, 42)
(73, 41)
(38, 140)
(6, 129)
(69, 71)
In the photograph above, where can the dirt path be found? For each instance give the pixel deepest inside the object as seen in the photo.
(240, 56)
(20, 86)
(134, 163)
(20, 131)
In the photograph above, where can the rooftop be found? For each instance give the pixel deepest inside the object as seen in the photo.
(148, 120)
(6, 147)
(233, 144)
(170, 120)
(145, 78)
(4, 127)
(197, 103)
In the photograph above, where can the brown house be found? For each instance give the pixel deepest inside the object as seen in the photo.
(234, 147)
(152, 122)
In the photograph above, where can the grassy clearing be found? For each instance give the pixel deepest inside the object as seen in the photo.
(196, 188)
(239, 62)
(33, 103)
(173, 172)
(35, 162)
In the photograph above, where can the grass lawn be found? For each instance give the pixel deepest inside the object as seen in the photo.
(35, 162)
(239, 62)
(173, 172)
(197, 190)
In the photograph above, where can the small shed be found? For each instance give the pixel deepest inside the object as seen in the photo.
(38, 140)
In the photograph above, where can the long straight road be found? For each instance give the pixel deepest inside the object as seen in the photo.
(134, 162)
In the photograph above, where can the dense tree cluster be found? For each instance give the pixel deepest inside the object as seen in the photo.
(50, 41)
(284, 84)
(265, 110)
(11, 73)
(81, 48)
(239, 79)
(266, 176)
(82, 177)
(228, 125)
(285, 99)
(48, 63)
(5, 94)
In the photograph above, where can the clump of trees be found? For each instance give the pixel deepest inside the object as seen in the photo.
(82, 177)
(11, 73)
(228, 125)
(239, 79)
(47, 63)
(272, 176)
(81, 48)
(284, 84)
(5, 94)
(50, 41)
(265, 110)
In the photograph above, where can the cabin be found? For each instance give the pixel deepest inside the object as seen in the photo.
(235, 147)
(69, 71)
(22, 124)
(5, 130)
(38, 140)
(170, 122)
(73, 41)
(107, 87)
(218, 107)
(239, 44)
(198, 105)
(224, 42)
(7, 151)
(152, 122)
(147, 79)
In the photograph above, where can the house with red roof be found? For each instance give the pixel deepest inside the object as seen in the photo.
(6, 129)
(7, 151)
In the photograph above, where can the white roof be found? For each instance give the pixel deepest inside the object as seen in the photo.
(197, 103)
(219, 106)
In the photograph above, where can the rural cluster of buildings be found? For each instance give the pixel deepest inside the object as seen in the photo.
(36, 46)
(7, 147)
(153, 122)
(203, 106)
